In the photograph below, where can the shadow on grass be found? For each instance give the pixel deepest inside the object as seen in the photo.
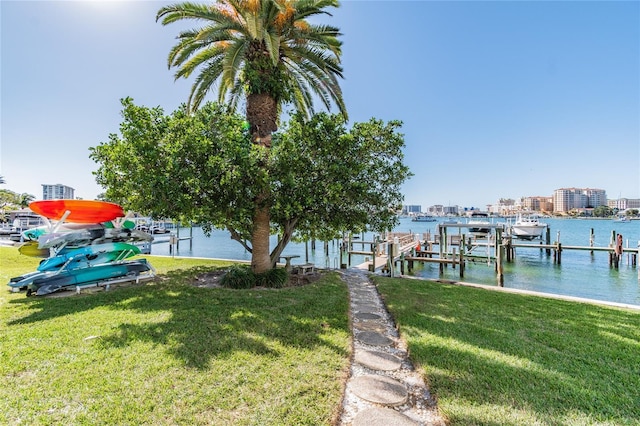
(198, 324)
(558, 362)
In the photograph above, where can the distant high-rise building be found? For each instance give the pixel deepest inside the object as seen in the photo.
(567, 199)
(57, 191)
(406, 209)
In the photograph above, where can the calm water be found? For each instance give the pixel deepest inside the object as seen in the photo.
(581, 274)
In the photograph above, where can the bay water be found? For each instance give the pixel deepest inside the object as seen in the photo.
(581, 273)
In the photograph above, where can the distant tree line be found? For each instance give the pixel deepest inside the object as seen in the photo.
(10, 200)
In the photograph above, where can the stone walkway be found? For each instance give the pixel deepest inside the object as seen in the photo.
(383, 387)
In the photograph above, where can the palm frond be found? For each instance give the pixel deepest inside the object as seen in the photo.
(237, 34)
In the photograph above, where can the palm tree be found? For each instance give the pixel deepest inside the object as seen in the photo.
(266, 53)
(26, 199)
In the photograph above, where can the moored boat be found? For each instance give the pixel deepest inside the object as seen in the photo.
(479, 221)
(621, 219)
(527, 227)
(423, 217)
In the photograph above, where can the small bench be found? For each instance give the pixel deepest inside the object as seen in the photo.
(305, 268)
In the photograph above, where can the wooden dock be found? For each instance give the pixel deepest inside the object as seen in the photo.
(383, 252)
(403, 250)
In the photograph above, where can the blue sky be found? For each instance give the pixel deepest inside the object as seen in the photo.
(498, 99)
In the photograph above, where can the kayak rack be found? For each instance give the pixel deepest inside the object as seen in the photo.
(107, 283)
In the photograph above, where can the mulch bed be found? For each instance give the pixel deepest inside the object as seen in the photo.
(212, 279)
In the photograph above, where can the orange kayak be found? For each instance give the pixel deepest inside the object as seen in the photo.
(81, 211)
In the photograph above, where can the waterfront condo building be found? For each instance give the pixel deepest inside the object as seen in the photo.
(567, 199)
(57, 191)
(624, 203)
(537, 204)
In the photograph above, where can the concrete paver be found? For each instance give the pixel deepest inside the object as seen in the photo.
(381, 361)
(380, 389)
(382, 417)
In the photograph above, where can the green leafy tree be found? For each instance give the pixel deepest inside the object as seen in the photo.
(322, 178)
(330, 180)
(8, 201)
(8, 198)
(267, 54)
(602, 211)
(175, 166)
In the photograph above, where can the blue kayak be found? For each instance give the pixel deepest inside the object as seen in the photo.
(68, 278)
(89, 256)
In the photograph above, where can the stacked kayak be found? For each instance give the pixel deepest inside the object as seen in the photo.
(85, 243)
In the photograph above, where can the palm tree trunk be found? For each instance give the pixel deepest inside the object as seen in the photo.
(262, 114)
(260, 258)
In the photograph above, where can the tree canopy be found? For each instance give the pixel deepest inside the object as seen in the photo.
(323, 179)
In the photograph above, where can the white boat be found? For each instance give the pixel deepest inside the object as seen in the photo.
(527, 227)
(479, 222)
(621, 219)
(422, 217)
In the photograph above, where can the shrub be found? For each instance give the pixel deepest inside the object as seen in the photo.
(273, 278)
(239, 277)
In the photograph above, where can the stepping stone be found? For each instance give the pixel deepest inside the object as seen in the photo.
(366, 307)
(380, 390)
(377, 416)
(363, 302)
(367, 316)
(381, 361)
(363, 299)
(369, 326)
(374, 339)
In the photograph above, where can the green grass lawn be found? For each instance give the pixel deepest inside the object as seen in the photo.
(493, 358)
(167, 352)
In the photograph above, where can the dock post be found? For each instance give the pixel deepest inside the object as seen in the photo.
(548, 240)
(499, 266)
(592, 239)
(462, 250)
(499, 242)
(612, 245)
(628, 254)
(559, 253)
(440, 243)
(453, 258)
(374, 249)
